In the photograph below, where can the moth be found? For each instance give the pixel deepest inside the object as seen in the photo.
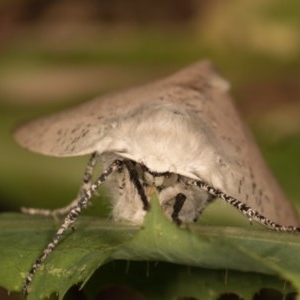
(180, 136)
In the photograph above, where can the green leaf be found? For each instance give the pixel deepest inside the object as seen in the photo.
(74, 260)
(95, 242)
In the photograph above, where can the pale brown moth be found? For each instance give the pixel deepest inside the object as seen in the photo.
(180, 135)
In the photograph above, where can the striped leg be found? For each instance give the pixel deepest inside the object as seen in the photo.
(86, 183)
(69, 221)
(242, 207)
(134, 177)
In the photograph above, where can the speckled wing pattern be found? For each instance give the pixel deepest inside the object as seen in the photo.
(204, 95)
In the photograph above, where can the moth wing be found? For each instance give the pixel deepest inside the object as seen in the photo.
(243, 172)
(78, 130)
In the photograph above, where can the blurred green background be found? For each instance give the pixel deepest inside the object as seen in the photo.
(56, 53)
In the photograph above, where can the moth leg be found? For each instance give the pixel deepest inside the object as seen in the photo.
(69, 222)
(178, 204)
(86, 183)
(134, 178)
(242, 207)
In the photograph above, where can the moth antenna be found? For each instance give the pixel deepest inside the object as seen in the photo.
(69, 221)
(242, 207)
(86, 183)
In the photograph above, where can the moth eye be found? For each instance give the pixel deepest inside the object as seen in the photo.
(170, 179)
